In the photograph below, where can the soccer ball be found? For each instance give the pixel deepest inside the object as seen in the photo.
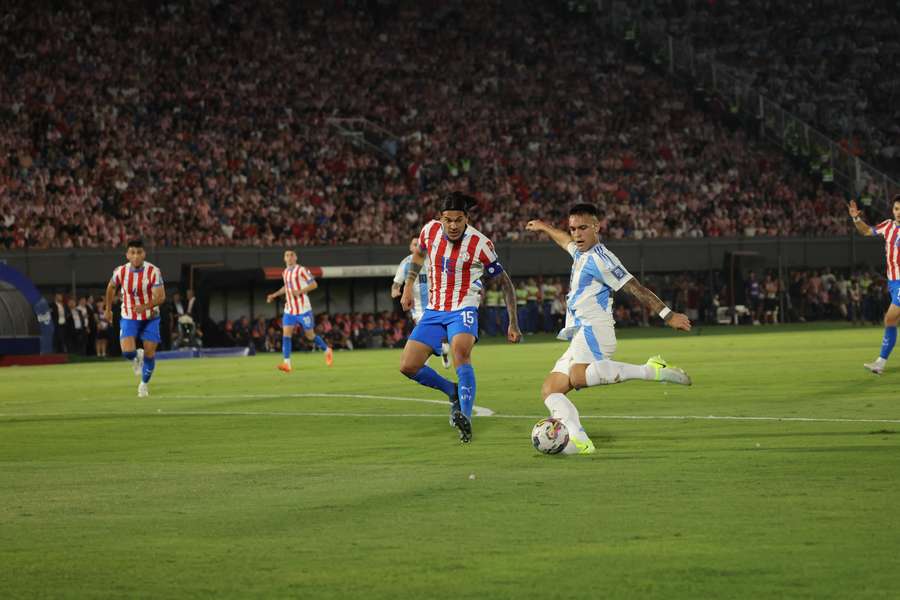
(549, 436)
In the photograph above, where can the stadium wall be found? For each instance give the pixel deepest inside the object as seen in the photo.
(94, 267)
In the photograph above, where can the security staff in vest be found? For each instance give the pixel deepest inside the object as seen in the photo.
(548, 294)
(493, 306)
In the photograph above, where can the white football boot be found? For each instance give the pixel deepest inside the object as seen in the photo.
(876, 366)
(143, 391)
(668, 373)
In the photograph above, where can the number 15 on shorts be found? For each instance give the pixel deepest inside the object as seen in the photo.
(469, 319)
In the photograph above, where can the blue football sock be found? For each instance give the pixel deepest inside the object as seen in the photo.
(320, 343)
(887, 344)
(147, 373)
(129, 354)
(286, 346)
(466, 376)
(429, 377)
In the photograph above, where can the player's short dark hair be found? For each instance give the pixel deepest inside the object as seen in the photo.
(135, 243)
(458, 201)
(584, 209)
(896, 198)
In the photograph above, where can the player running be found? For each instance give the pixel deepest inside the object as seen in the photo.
(890, 231)
(590, 327)
(142, 295)
(298, 282)
(457, 256)
(420, 294)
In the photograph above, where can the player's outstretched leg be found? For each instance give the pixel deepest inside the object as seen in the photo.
(887, 345)
(561, 408)
(607, 372)
(412, 364)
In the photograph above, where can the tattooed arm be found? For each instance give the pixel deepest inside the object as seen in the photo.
(655, 305)
(513, 334)
(415, 265)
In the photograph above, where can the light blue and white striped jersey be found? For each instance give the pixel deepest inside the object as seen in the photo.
(596, 274)
(420, 290)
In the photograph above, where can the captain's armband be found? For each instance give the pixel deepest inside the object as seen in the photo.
(493, 269)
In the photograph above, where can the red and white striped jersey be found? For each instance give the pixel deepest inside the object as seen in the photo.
(890, 231)
(296, 278)
(455, 268)
(137, 286)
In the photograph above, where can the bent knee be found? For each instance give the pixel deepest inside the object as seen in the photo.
(556, 383)
(578, 382)
(409, 369)
(578, 376)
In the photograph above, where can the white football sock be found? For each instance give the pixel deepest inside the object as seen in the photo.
(287, 361)
(561, 408)
(606, 372)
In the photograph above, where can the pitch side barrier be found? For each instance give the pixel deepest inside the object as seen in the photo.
(182, 353)
(68, 269)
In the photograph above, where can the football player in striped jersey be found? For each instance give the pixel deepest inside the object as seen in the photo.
(458, 255)
(142, 295)
(889, 229)
(298, 282)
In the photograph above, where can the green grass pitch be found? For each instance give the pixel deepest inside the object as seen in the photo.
(235, 480)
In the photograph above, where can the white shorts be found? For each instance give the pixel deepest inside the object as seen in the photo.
(591, 343)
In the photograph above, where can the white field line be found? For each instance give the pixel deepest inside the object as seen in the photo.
(480, 411)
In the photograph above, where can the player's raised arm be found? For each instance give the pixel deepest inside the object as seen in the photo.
(559, 236)
(415, 267)
(513, 333)
(673, 319)
(861, 226)
(271, 297)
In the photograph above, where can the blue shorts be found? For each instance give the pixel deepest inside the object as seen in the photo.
(437, 325)
(305, 320)
(147, 330)
(894, 288)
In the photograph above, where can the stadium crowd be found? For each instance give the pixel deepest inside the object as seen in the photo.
(207, 124)
(831, 62)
